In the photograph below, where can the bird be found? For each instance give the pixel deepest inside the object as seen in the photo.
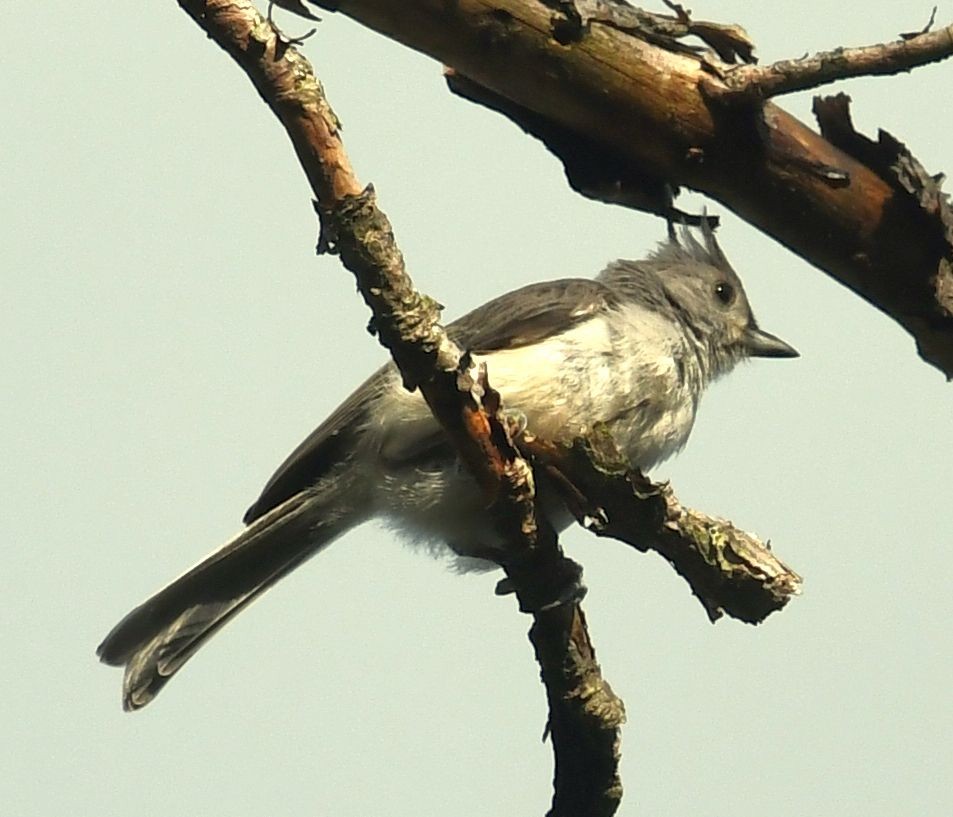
(632, 350)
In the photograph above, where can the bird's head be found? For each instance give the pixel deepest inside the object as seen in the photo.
(708, 297)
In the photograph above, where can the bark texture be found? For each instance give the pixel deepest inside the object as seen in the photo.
(585, 715)
(728, 570)
(635, 114)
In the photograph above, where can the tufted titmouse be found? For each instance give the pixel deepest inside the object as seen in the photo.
(633, 349)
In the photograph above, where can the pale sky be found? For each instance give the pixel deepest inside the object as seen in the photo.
(168, 337)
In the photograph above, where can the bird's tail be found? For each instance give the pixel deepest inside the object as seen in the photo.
(161, 634)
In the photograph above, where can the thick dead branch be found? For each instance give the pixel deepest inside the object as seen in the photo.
(591, 170)
(633, 96)
(895, 164)
(730, 42)
(585, 715)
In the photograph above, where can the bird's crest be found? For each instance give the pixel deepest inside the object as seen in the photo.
(682, 245)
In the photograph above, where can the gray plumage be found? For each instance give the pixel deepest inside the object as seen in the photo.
(633, 349)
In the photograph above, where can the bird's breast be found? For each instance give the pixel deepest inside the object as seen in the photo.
(621, 369)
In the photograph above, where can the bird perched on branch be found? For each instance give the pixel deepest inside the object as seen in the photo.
(633, 349)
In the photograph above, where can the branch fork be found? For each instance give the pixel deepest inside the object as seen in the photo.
(730, 572)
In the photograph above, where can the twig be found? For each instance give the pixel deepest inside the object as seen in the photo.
(747, 82)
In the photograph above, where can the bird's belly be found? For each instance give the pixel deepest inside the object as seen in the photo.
(439, 505)
(565, 387)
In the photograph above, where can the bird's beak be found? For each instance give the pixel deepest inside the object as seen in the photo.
(759, 343)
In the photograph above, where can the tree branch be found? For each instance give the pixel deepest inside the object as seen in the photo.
(585, 715)
(788, 76)
(640, 114)
(729, 571)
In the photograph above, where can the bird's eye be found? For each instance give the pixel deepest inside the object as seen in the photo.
(724, 292)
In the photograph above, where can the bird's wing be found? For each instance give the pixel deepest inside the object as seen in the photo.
(530, 314)
(328, 444)
(519, 318)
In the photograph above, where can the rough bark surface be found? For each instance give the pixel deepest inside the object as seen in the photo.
(638, 113)
(730, 571)
(633, 113)
(585, 715)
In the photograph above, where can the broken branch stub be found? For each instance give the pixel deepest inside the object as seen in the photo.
(729, 570)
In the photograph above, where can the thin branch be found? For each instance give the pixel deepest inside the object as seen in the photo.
(405, 321)
(585, 715)
(787, 76)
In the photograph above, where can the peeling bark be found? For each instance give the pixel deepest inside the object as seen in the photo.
(634, 113)
(585, 715)
(730, 571)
